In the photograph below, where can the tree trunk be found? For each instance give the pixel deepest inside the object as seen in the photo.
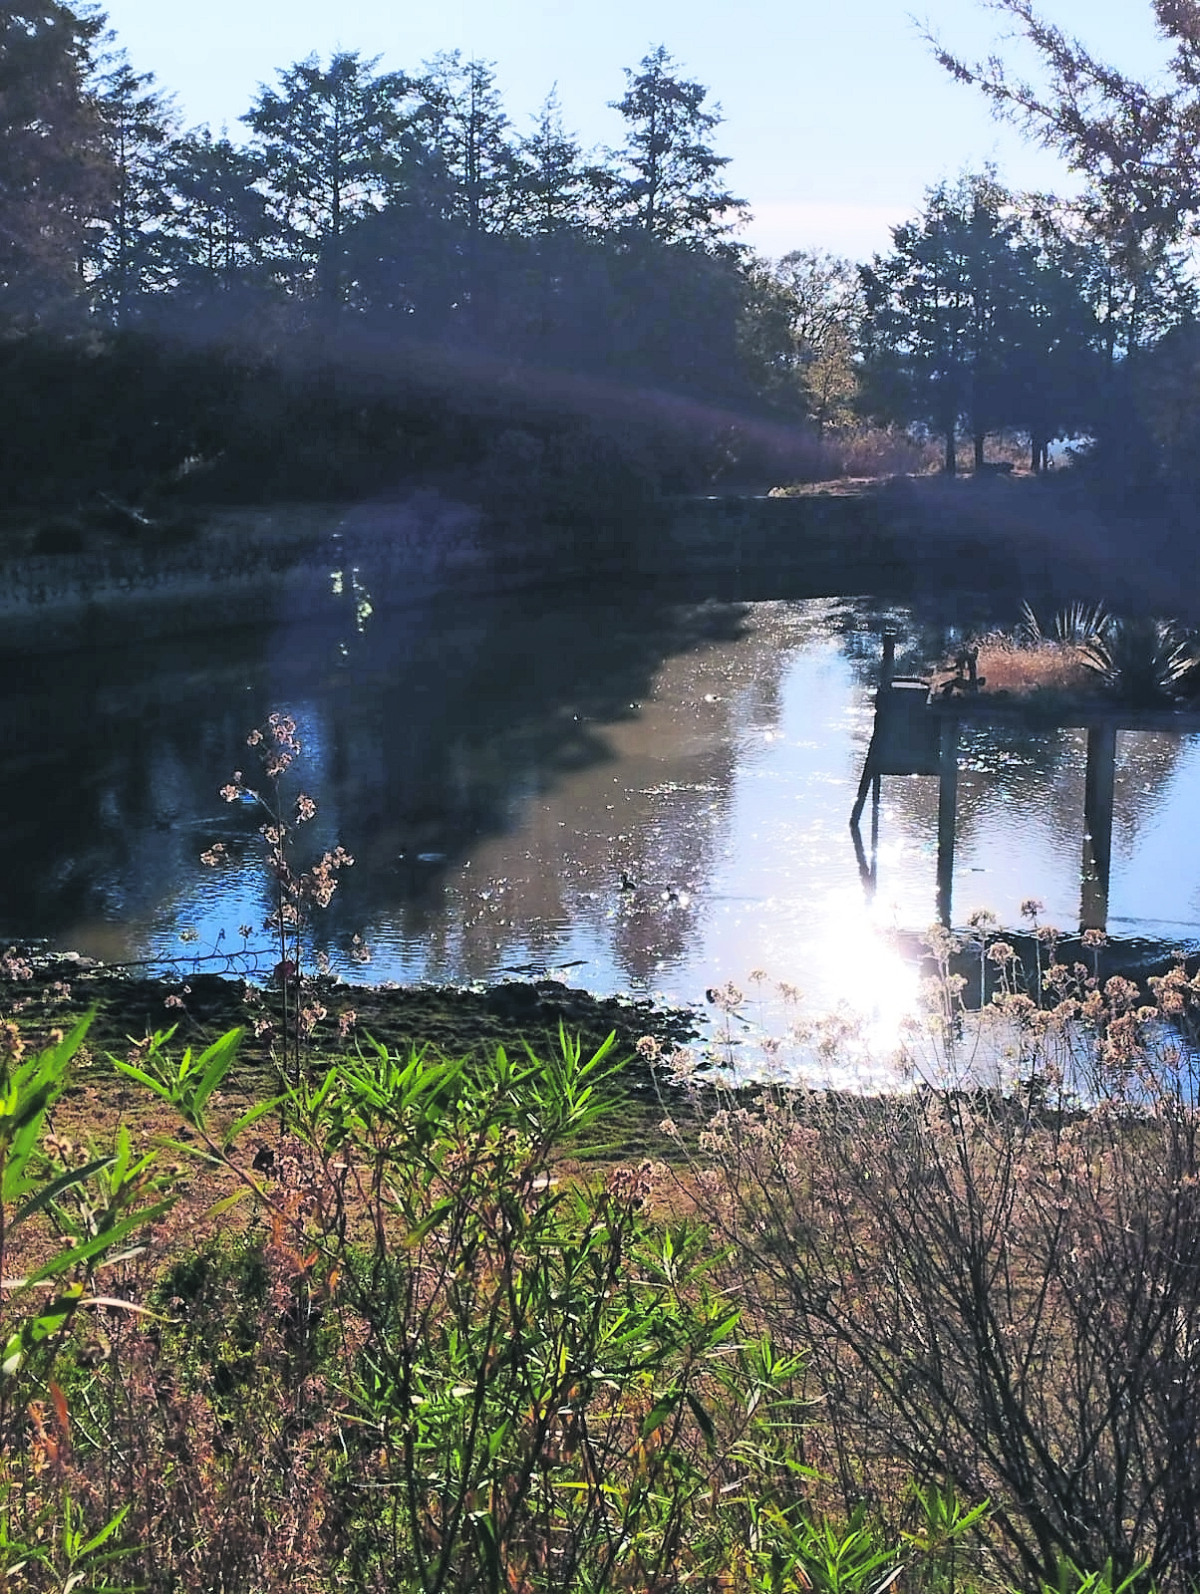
(951, 450)
(979, 442)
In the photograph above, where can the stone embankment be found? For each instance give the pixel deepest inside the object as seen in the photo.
(288, 563)
(1016, 537)
(244, 567)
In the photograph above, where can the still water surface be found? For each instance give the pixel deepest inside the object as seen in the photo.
(651, 796)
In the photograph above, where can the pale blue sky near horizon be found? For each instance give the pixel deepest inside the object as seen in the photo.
(837, 117)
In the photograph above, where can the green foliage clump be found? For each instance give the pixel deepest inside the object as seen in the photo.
(429, 1352)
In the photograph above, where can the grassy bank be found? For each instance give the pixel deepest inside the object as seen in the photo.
(452, 1021)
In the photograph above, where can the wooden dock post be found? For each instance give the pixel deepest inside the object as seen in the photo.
(947, 814)
(1098, 789)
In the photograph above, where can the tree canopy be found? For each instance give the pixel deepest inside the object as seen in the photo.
(394, 223)
(1138, 144)
(670, 187)
(56, 170)
(975, 319)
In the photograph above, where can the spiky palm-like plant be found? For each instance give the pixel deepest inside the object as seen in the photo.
(1146, 663)
(1077, 623)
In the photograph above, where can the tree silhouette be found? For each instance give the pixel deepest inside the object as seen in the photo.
(222, 225)
(55, 171)
(331, 143)
(554, 187)
(1139, 146)
(131, 250)
(973, 320)
(671, 190)
(464, 124)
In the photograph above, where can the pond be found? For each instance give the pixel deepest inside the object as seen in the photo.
(636, 792)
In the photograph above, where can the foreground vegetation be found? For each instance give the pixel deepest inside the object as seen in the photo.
(381, 1330)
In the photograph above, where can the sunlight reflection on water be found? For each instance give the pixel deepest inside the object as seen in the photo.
(657, 799)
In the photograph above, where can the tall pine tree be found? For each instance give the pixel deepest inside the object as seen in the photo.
(671, 189)
(331, 143)
(56, 173)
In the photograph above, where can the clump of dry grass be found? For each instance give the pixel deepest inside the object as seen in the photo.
(1021, 671)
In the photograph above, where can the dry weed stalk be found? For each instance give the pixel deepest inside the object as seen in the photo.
(997, 1284)
(296, 892)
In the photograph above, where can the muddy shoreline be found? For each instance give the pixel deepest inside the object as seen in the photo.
(56, 990)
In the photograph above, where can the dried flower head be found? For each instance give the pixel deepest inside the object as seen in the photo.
(727, 997)
(683, 1064)
(310, 1017)
(15, 967)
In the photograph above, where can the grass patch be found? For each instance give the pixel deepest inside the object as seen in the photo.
(1021, 673)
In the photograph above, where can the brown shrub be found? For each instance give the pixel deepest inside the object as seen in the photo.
(999, 1286)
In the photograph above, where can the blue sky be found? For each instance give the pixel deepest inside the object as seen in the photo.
(837, 118)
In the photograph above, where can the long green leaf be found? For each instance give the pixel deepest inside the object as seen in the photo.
(131, 1071)
(61, 1261)
(103, 1536)
(49, 1193)
(240, 1125)
(703, 1420)
(663, 1408)
(215, 1063)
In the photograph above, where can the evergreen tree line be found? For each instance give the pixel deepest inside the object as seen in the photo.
(998, 313)
(379, 249)
(385, 277)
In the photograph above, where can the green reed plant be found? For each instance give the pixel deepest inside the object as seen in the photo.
(943, 1527)
(432, 1359)
(526, 1381)
(853, 1558)
(1102, 1580)
(92, 1202)
(64, 1552)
